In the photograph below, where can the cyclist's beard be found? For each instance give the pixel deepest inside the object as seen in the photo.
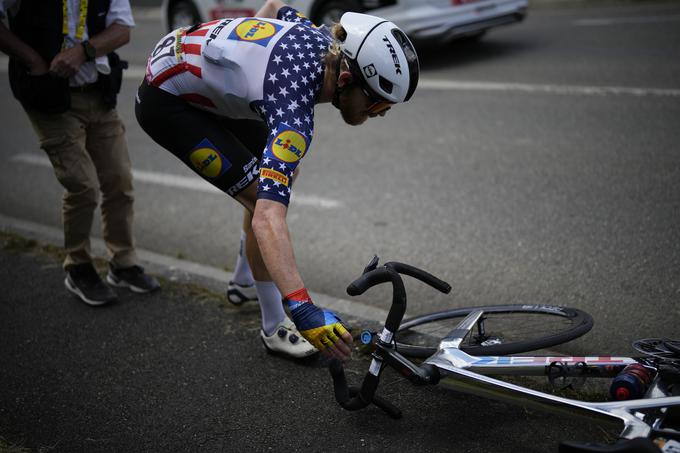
(351, 103)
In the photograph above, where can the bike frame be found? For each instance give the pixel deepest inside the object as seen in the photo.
(453, 368)
(470, 374)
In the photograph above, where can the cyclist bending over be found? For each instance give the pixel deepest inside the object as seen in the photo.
(234, 100)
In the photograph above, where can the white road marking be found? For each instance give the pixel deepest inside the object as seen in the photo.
(137, 73)
(433, 84)
(626, 20)
(182, 182)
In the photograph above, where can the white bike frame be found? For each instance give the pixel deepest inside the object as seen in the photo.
(470, 374)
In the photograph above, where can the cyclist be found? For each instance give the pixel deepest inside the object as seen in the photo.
(234, 100)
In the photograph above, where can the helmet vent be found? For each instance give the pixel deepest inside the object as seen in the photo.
(386, 85)
(405, 44)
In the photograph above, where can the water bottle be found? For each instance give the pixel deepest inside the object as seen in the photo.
(631, 383)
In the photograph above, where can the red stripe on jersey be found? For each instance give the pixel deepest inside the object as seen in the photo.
(198, 99)
(208, 24)
(192, 49)
(199, 32)
(195, 70)
(165, 75)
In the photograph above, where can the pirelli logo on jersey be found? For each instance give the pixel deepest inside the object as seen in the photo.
(256, 31)
(289, 145)
(274, 175)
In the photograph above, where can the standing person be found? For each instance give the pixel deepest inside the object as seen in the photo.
(234, 100)
(66, 76)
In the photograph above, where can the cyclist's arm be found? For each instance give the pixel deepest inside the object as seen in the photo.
(270, 9)
(273, 239)
(321, 327)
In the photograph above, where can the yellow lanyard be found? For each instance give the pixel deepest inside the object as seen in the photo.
(80, 29)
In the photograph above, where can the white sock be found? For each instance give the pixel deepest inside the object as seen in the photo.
(242, 274)
(271, 307)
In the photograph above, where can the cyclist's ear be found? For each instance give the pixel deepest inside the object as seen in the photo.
(345, 78)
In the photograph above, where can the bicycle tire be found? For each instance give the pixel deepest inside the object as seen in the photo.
(506, 335)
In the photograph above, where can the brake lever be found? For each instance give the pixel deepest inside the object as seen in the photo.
(372, 265)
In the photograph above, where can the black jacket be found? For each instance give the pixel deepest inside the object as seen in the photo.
(39, 24)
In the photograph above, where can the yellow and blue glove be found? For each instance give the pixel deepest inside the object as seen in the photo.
(322, 328)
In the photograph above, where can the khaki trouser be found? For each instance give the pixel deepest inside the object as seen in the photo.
(88, 151)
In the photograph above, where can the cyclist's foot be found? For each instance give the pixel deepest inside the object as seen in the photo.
(132, 277)
(83, 281)
(239, 294)
(287, 341)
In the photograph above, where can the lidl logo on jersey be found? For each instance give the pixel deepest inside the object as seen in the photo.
(255, 31)
(289, 145)
(208, 161)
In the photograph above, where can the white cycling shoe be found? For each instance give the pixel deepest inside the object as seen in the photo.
(287, 341)
(238, 294)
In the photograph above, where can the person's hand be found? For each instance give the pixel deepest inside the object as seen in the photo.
(38, 67)
(322, 328)
(67, 62)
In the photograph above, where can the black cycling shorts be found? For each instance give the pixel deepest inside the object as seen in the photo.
(223, 151)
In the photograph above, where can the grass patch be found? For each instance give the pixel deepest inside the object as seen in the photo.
(15, 243)
(6, 447)
(198, 292)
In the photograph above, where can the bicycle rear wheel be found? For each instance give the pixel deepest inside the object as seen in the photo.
(504, 329)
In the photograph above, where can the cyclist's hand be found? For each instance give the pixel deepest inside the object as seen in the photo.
(320, 327)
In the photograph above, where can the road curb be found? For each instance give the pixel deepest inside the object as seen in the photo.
(183, 271)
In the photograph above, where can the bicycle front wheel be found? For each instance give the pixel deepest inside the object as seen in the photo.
(503, 330)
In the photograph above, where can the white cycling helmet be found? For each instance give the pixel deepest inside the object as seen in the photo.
(380, 56)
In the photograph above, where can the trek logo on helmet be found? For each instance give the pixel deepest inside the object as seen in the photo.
(395, 58)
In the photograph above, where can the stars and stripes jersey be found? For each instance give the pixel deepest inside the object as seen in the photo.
(251, 68)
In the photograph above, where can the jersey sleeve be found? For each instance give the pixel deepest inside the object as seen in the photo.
(292, 82)
(289, 141)
(290, 14)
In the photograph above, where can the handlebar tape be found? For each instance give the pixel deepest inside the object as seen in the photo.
(369, 280)
(381, 275)
(351, 398)
(423, 276)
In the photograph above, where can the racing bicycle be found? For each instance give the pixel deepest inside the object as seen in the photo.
(465, 349)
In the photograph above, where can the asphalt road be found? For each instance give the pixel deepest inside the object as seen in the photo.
(540, 165)
(175, 371)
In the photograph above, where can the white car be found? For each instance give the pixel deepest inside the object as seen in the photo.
(422, 20)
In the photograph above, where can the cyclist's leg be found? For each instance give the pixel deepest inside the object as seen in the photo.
(241, 289)
(243, 277)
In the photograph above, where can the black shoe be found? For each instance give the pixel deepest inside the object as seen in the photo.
(83, 281)
(133, 278)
